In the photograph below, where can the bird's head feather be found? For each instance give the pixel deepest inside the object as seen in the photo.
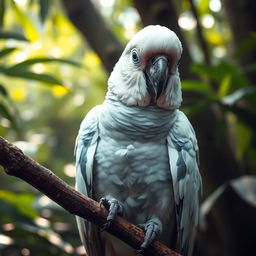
(128, 80)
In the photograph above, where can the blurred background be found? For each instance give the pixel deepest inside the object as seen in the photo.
(55, 58)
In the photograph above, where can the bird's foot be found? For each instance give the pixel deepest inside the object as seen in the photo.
(115, 208)
(152, 228)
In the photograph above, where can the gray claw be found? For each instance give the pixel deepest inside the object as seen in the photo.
(152, 228)
(104, 202)
(114, 207)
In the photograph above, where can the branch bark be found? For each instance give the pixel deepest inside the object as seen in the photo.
(17, 164)
(87, 19)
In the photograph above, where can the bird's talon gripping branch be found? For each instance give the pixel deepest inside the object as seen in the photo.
(104, 202)
(152, 228)
(114, 207)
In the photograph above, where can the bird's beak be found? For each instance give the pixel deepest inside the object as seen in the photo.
(156, 73)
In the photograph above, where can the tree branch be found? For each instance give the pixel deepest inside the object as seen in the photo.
(16, 163)
(87, 19)
(200, 34)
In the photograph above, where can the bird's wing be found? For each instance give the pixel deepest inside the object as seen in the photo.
(184, 162)
(86, 145)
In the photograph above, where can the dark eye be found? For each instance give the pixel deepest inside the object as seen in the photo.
(135, 57)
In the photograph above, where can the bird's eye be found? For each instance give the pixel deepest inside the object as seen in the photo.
(135, 57)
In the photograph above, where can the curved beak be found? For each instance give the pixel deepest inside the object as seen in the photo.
(156, 73)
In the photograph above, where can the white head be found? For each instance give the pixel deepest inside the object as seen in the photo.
(147, 71)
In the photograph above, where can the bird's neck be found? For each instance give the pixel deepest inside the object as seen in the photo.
(133, 122)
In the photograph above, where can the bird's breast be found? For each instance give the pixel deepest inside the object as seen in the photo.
(119, 121)
(137, 174)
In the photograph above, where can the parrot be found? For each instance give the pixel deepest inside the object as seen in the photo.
(137, 153)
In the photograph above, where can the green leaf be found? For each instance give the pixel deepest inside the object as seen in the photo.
(208, 204)
(243, 140)
(10, 213)
(27, 25)
(44, 9)
(23, 202)
(224, 86)
(46, 78)
(237, 95)
(21, 72)
(26, 63)
(12, 35)
(7, 51)
(196, 86)
(245, 188)
(4, 110)
(218, 72)
(3, 91)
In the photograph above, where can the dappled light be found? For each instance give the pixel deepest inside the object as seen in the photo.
(6, 240)
(186, 21)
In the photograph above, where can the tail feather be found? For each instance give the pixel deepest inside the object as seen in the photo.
(91, 238)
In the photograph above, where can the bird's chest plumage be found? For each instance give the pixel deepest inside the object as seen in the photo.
(131, 161)
(137, 174)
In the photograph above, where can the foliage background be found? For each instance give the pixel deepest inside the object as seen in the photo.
(51, 75)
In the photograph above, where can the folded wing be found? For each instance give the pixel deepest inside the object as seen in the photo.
(86, 145)
(184, 161)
